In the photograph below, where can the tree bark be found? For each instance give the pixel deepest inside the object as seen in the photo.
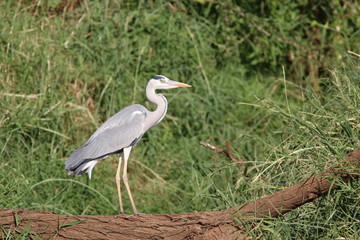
(201, 225)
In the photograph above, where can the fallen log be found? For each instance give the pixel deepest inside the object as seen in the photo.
(201, 225)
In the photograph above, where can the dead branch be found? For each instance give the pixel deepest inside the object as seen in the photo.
(227, 153)
(353, 53)
(201, 225)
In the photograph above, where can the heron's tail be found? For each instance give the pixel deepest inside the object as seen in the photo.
(82, 168)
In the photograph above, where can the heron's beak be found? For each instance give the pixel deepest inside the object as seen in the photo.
(178, 84)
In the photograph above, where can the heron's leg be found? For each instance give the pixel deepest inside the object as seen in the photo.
(125, 178)
(117, 178)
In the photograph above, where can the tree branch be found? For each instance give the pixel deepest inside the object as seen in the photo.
(227, 153)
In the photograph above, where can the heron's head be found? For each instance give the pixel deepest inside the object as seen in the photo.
(162, 82)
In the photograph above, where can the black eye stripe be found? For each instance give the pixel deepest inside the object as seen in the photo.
(158, 77)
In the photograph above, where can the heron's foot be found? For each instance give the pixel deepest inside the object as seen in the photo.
(119, 214)
(139, 214)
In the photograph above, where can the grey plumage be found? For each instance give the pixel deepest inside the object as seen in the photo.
(120, 133)
(123, 129)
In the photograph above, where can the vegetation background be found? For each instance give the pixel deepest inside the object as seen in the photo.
(274, 78)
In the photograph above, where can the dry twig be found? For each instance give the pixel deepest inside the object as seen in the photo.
(227, 153)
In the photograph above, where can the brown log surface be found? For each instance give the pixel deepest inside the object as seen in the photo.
(201, 225)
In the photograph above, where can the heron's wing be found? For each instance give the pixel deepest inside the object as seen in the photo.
(122, 130)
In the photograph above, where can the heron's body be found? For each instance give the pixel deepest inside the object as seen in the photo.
(122, 130)
(120, 133)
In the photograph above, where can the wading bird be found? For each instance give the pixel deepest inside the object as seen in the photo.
(120, 133)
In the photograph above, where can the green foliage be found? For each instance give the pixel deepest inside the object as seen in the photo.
(263, 78)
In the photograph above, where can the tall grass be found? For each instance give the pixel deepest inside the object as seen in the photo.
(64, 74)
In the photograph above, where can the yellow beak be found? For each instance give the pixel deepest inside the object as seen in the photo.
(179, 84)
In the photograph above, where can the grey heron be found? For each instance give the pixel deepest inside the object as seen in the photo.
(120, 133)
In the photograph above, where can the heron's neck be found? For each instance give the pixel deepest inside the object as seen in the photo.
(156, 116)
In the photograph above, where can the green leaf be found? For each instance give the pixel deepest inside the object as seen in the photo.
(71, 223)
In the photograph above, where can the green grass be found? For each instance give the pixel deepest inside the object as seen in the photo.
(74, 70)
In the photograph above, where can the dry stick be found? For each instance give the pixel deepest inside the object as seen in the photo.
(227, 153)
(200, 225)
(228, 149)
(238, 160)
(355, 54)
(216, 150)
(29, 96)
